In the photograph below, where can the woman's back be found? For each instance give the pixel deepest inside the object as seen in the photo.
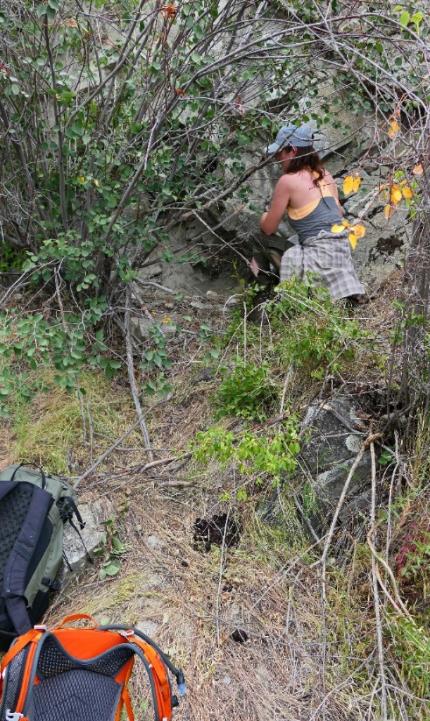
(313, 206)
(303, 190)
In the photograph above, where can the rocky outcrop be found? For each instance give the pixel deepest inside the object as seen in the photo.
(237, 222)
(93, 534)
(334, 431)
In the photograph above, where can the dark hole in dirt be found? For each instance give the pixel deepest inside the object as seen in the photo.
(386, 246)
(239, 635)
(205, 376)
(217, 530)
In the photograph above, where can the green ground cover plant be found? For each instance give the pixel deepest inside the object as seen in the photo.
(246, 391)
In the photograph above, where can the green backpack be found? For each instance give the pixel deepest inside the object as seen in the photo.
(33, 510)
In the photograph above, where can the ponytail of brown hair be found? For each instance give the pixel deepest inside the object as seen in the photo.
(307, 158)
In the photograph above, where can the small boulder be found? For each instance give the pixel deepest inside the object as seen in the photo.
(148, 627)
(141, 328)
(334, 431)
(93, 534)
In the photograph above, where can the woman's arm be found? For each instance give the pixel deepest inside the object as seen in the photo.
(270, 221)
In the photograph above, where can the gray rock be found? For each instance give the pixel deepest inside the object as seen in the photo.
(197, 305)
(212, 295)
(328, 485)
(334, 433)
(148, 627)
(141, 327)
(383, 248)
(93, 534)
(150, 271)
(154, 542)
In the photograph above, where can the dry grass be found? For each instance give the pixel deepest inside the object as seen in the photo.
(66, 431)
(276, 673)
(194, 601)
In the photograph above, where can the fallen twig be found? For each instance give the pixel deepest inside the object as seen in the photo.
(132, 376)
(383, 562)
(106, 454)
(375, 590)
(162, 462)
(323, 560)
(153, 284)
(288, 378)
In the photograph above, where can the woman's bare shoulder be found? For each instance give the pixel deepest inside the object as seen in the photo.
(289, 180)
(285, 181)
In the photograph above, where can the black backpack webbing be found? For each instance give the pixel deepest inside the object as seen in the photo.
(17, 566)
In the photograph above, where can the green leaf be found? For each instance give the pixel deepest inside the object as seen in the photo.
(118, 546)
(41, 10)
(112, 568)
(405, 18)
(417, 19)
(386, 457)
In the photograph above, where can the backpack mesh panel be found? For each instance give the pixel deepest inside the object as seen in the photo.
(13, 683)
(76, 696)
(13, 511)
(54, 661)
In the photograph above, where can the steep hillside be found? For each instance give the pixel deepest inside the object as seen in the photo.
(214, 546)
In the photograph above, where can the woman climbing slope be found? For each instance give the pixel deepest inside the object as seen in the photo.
(307, 192)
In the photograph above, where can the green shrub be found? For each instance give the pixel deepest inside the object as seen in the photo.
(272, 455)
(31, 342)
(411, 647)
(10, 258)
(312, 332)
(246, 392)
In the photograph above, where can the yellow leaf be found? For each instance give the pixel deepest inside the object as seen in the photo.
(395, 195)
(345, 223)
(352, 240)
(356, 184)
(407, 192)
(351, 184)
(418, 169)
(81, 179)
(393, 128)
(337, 228)
(96, 182)
(388, 211)
(358, 230)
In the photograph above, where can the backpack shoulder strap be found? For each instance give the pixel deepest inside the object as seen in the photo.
(15, 573)
(31, 638)
(158, 676)
(157, 665)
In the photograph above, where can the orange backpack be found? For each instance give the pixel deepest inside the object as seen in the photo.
(82, 674)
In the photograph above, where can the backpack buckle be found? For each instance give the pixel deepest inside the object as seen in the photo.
(40, 628)
(127, 633)
(13, 716)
